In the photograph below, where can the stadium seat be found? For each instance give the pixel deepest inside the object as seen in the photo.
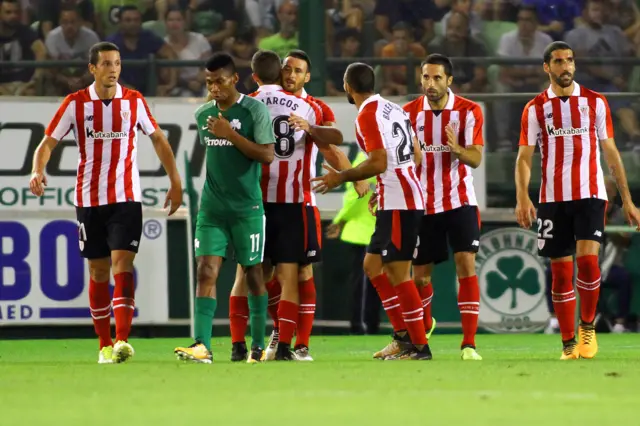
(492, 32)
(156, 27)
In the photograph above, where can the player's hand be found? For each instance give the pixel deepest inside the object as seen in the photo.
(220, 126)
(174, 197)
(373, 203)
(37, 183)
(299, 123)
(632, 214)
(334, 230)
(327, 182)
(525, 213)
(452, 140)
(362, 188)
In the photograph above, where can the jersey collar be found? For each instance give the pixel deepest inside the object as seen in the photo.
(94, 95)
(449, 105)
(373, 98)
(269, 88)
(304, 94)
(576, 91)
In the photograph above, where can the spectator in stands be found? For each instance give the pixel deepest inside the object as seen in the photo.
(466, 7)
(457, 42)
(70, 41)
(613, 252)
(108, 15)
(525, 42)
(18, 42)
(349, 42)
(137, 43)
(49, 14)
(28, 11)
(557, 17)
(341, 14)
(188, 46)
(395, 76)
(217, 20)
(625, 14)
(287, 39)
(599, 40)
(242, 47)
(418, 13)
(262, 15)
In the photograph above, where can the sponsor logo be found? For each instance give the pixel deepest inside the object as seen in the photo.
(512, 282)
(88, 118)
(134, 243)
(252, 258)
(598, 233)
(437, 148)
(571, 131)
(92, 134)
(311, 253)
(216, 142)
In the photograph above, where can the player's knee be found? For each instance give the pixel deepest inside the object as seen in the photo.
(207, 273)
(372, 266)
(465, 264)
(305, 273)
(255, 281)
(422, 280)
(100, 270)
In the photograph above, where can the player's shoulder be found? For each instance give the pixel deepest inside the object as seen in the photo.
(81, 95)
(131, 94)
(414, 106)
(465, 104)
(254, 104)
(590, 94)
(205, 107)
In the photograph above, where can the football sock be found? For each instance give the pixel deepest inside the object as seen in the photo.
(564, 298)
(205, 310)
(123, 304)
(469, 306)
(390, 301)
(100, 305)
(426, 293)
(412, 311)
(588, 284)
(273, 290)
(288, 315)
(238, 318)
(258, 318)
(306, 312)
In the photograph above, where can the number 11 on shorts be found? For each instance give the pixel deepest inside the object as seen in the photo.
(255, 243)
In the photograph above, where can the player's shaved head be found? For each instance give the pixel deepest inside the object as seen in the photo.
(219, 61)
(360, 78)
(265, 64)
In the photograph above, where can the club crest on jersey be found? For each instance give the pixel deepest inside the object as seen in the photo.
(236, 124)
(584, 110)
(455, 125)
(125, 115)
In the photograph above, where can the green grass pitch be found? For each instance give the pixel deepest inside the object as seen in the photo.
(520, 382)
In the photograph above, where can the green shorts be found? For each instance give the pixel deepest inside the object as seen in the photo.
(246, 235)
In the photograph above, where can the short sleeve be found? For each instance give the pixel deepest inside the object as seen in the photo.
(604, 124)
(145, 119)
(63, 121)
(328, 116)
(262, 128)
(368, 128)
(530, 132)
(473, 127)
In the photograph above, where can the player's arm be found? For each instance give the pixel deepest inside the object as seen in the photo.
(258, 151)
(323, 136)
(165, 155)
(335, 157)
(529, 134)
(374, 165)
(471, 154)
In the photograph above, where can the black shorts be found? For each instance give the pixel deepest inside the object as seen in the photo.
(293, 233)
(460, 227)
(103, 229)
(563, 223)
(396, 234)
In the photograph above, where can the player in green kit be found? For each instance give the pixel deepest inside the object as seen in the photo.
(238, 134)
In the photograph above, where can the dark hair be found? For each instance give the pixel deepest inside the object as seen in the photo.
(347, 33)
(67, 8)
(556, 45)
(438, 59)
(220, 60)
(528, 8)
(103, 46)
(127, 8)
(174, 9)
(402, 26)
(360, 77)
(267, 66)
(247, 36)
(302, 55)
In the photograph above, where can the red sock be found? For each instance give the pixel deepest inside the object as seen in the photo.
(390, 301)
(412, 311)
(469, 306)
(307, 311)
(238, 318)
(100, 305)
(588, 284)
(564, 298)
(426, 293)
(288, 315)
(123, 304)
(273, 290)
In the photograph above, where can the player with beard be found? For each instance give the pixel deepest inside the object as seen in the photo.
(571, 124)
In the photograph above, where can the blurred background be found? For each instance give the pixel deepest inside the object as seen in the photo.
(496, 46)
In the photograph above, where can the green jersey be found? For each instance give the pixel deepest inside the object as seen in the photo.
(232, 186)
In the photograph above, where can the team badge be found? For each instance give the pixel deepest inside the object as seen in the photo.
(455, 125)
(125, 115)
(584, 110)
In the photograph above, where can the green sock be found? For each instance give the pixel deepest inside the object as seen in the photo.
(258, 318)
(205, 310)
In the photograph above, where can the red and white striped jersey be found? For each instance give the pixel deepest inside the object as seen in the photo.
(447, 181)
(568, 130)
(287, 178)
(381, 124)
(328, 115)
(107, 138)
